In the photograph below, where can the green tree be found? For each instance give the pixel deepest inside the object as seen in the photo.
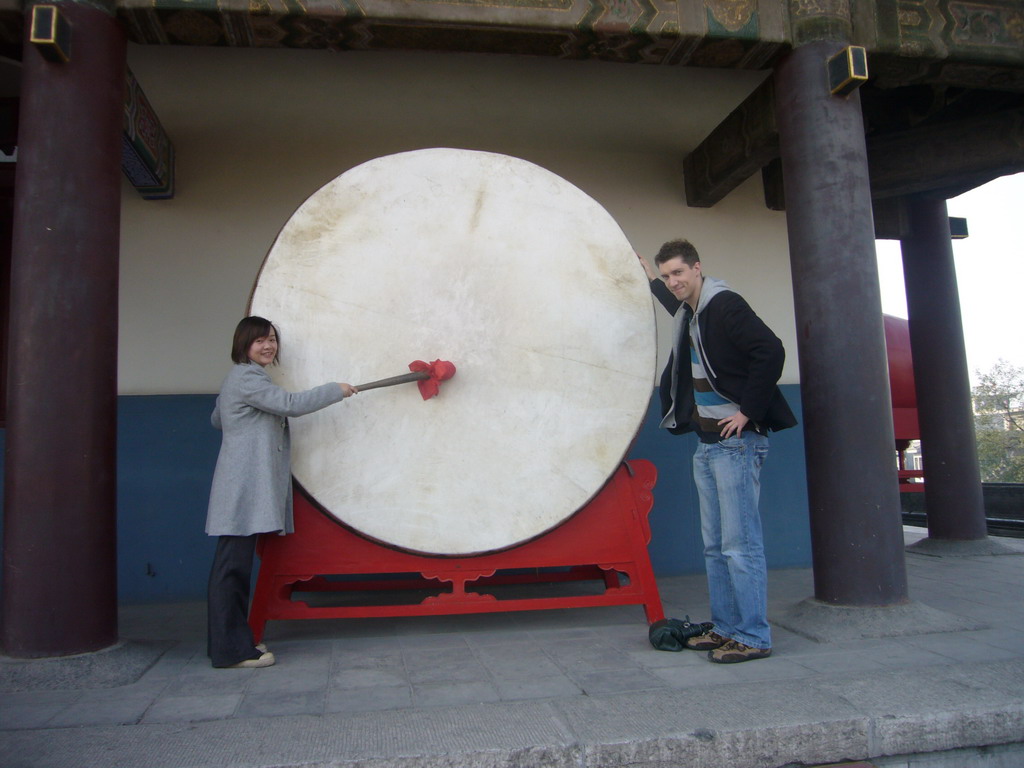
(999, 423)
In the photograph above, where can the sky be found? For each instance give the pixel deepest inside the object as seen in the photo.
(989, 272)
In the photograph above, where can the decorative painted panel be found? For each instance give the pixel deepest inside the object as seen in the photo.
(147, 154)
(957, 27)
(732, 18)
(987, 25)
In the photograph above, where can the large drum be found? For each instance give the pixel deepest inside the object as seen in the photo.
(508, 271)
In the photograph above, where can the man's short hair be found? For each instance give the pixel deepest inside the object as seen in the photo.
(678, 248)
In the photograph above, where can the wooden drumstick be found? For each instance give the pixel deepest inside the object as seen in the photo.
(429, 376)
(405, 378)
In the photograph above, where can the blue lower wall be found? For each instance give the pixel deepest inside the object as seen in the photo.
(167, 450)
(676, 545)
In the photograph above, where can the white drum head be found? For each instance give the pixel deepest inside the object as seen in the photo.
(511, 273)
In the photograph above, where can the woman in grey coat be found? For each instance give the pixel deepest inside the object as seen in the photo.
(251, 491)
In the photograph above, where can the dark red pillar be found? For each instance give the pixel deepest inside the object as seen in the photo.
(856, 531)
(60, 575)
(952, 480)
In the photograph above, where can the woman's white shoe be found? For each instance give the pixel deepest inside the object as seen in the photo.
(266, 660)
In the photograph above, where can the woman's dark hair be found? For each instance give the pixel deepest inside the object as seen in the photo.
(249, 329)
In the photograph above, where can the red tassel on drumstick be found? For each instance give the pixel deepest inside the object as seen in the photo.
(428, 377)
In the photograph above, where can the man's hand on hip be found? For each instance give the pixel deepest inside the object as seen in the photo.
(733, 425)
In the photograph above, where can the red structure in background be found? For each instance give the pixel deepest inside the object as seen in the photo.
(904, 398)
(605, 542)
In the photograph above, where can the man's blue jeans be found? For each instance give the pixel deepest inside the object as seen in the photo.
(728, 481)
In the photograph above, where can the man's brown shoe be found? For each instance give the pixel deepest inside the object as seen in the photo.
(734, 652)
(706, 642)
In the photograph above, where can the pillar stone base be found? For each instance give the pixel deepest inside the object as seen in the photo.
(825, 623)
(965, 547)
(121, 664)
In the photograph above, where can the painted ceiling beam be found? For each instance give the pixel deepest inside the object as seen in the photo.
(742, 144)
(975, 43)
(947, 159)
(745, 34)
(939, 160)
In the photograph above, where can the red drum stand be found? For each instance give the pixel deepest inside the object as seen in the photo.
(604, 542)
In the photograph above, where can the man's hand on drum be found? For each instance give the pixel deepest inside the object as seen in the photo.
(651, 274)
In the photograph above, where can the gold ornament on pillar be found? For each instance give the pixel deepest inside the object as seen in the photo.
(847, 70)
(50, 33)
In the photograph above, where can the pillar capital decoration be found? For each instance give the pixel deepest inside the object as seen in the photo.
(812, 20)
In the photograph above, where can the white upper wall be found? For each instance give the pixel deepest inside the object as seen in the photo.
(258, 131)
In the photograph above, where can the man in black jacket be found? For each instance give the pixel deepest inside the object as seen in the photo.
(721, 382)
